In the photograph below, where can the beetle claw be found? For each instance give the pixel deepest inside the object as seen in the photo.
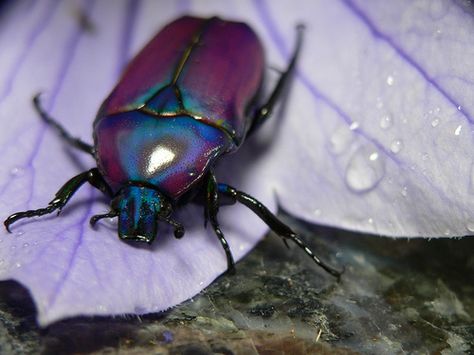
(94, 219)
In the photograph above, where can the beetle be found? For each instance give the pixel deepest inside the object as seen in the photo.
(189, 98)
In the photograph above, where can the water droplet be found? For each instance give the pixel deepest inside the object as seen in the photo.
(19, 233)
(396, 146)
(13, 247)
(404, 191)
(17, 171)
(459, 108)
(354, 125)
(340, 140)
(470, 227)
(35, 242)
(457, 131)
(435, 122)
(317, 212)
(379, 103)
(447, 232)
(437, 9)
(18, 264)
(370, 221)
(471, 179)
(386, 122)
(425, 156)
(374, 156)
(365, 169)
(390, 80)
(26, 245)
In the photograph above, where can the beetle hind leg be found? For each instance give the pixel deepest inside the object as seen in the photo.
(275, 224)
(266, 109)
(212, 208)
(75, 142)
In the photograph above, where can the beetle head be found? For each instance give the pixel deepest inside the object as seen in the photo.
(139, 208)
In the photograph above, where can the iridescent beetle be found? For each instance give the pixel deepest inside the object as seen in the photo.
(187, 99)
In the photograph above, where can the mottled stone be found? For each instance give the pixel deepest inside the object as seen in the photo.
(396, 296)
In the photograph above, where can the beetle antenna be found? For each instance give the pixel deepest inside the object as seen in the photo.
(94, 219)
(178, 227)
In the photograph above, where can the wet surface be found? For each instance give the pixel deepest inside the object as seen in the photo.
(396, 296)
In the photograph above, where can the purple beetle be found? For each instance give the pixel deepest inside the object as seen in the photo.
(187, 99)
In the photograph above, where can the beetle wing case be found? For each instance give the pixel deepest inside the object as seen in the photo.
(212, 67)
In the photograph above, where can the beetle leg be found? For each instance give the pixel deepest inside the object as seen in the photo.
(178, 227)
(94, 219)
(62, 196)
(212, 207)
(266, 109)
(75, 142)
(275, 224)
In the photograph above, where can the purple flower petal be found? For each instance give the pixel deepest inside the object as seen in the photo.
(372, 140)
(381, 117)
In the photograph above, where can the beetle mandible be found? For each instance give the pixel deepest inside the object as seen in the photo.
(187, 99)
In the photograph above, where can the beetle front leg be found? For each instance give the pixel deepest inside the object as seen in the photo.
(275, 224)
(75, 142)
(212, 208)
(61, 197)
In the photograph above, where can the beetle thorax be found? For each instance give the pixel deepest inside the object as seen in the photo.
(169, 153)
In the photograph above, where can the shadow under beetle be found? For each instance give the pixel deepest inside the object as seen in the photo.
(188, 98)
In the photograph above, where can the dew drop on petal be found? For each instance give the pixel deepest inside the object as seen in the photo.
(396, 146)
(404, 191)
(17, 171)
(437, 9)
(457, 131)
(354, 125)
(379, 103)
(390, 80)
(386, 122)
(470, 226)
(435, 122)
(340, 140)
(365, 169)
(317, 212)
(471, 179)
